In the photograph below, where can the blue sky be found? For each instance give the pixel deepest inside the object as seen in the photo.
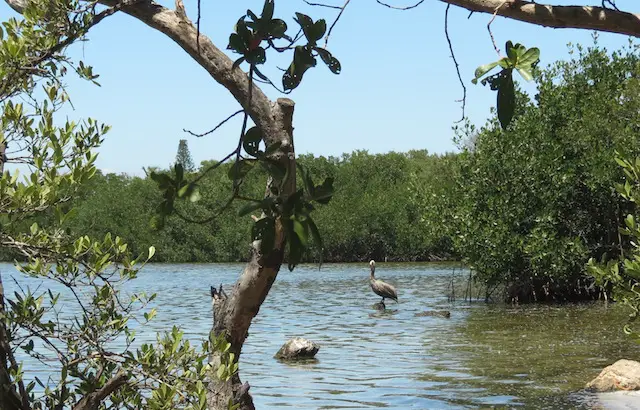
(397, 90)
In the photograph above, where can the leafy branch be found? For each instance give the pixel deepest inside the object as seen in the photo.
(253, 35)
(519, 58)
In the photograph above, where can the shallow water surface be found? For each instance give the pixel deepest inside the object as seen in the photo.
(482, 357)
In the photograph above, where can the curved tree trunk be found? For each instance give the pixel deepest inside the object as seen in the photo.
(233, 314)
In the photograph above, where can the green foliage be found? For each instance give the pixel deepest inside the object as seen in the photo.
(519, 58)
(534, 201)
(251, 38)
(38, 220)
(621, 275)
(254, 35)
(369, 216)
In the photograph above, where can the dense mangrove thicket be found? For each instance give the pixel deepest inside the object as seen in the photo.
(533, 203)
(371, 215)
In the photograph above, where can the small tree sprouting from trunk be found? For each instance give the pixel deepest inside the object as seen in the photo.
(183, 157)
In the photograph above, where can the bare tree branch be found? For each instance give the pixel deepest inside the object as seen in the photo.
(92, 400)
(326, 40)
(322, 5)
(455, 61)
(220, 124)
(413, 6)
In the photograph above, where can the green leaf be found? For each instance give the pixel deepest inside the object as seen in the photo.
(252, 15)
(251, 141)
(179, 170)
(323, 193)
(505, 63)
(295, 247)
(237, 44)
(302, 61)
(260, 75)
(249, 207)
(506, 99)
(239, 169)
(267, 10)
(329, 60)
(317, 30)
(277, 28)
(305, 23)
(164, 180)
(529, 57)
(525, 73)
(482, 70)
(302, 231)
(315, 234)
(306, 179)
(511, 53)
(257, 56)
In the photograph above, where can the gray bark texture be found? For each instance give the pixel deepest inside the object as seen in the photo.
(581, 17)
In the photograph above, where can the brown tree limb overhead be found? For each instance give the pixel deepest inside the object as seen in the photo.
(546, 15)
(183, 32)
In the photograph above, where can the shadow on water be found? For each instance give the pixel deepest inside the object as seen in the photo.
(481, 356)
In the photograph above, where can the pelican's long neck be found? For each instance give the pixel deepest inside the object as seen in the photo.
(373, 269)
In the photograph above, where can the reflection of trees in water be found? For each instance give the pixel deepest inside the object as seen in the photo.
(537, 355)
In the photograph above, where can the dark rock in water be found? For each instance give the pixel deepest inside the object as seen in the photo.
(622, 375)
(440, 313)
(297, 348)
(379, 306)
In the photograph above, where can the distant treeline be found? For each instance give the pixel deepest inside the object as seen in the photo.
(370, 216)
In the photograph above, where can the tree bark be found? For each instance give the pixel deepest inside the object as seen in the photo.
(93, 400)
(233, 315)
(579, 17)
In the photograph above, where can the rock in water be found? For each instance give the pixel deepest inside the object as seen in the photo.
(441, 313)
(622, 375)
(297, 348)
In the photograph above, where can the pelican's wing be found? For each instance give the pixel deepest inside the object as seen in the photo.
(388, 290)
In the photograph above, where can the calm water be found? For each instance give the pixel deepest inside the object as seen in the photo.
(482, 357)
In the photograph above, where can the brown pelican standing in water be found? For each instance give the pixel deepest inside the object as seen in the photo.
(381, 288)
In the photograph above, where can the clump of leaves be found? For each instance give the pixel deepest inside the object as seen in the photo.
(254, 35)
(519, 58)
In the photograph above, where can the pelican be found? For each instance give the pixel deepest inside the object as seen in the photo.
(381, 288)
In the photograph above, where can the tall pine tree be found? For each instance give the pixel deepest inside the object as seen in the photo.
(183, 157)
